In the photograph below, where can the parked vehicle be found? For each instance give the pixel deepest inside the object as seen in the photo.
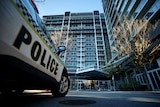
(28, 58)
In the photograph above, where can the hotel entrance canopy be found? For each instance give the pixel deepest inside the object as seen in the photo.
(92, 73)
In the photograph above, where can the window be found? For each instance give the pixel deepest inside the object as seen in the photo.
(153, 65)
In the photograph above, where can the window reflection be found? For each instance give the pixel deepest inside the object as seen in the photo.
(155, 7)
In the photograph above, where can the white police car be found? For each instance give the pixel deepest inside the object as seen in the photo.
(28, 58)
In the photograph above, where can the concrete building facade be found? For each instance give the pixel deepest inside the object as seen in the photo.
(88, 46)
(116, 11)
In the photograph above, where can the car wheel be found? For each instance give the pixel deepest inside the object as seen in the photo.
(63, 88)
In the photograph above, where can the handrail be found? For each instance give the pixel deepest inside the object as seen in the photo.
(88, 67)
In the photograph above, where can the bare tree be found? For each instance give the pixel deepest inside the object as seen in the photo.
(59, 38)
(132, 38)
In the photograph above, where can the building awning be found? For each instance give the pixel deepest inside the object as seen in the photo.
(92, 74)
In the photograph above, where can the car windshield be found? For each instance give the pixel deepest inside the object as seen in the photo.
(40, 27)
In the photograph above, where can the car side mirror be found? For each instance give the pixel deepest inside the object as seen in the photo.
(61, 49)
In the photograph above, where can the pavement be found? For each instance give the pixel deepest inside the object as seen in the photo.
(84, 98)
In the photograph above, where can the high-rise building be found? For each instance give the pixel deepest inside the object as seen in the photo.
(117, 11)
(88, 46)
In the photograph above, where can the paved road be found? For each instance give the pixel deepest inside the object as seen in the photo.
(84, 99)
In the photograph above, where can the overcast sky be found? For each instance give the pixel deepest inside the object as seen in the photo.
(57, 7)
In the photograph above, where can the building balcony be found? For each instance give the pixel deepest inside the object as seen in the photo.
(80, 45)
(81, 50)
(79, 54)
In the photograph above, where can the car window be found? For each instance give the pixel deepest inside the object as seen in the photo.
(33, 16)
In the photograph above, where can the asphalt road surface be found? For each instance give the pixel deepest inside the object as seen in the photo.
(41, 98)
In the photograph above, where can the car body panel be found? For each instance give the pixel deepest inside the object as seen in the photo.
(25, 42)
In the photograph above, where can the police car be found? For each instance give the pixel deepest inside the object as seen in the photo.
(28, 58)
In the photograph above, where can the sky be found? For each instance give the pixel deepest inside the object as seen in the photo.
(59, 7)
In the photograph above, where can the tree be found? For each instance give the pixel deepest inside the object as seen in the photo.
(59, 38)
(132, 38)
(113, 70)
